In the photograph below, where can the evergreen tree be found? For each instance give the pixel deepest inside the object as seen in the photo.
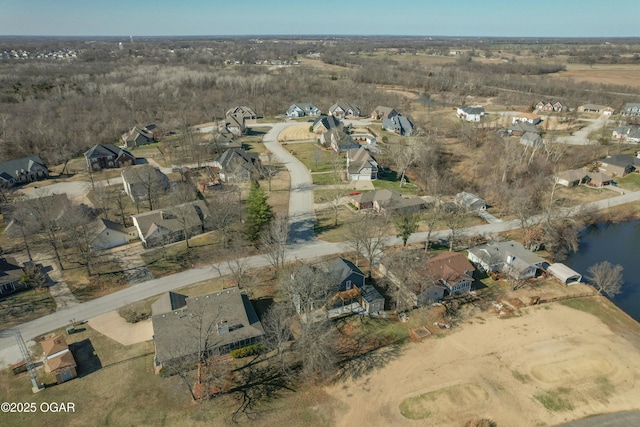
(259, 212)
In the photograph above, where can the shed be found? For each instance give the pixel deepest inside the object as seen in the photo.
(565, 274)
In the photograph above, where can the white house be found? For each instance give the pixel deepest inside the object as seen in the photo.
(361, 165)
(109, 234)
(302, 110)
(470, 114)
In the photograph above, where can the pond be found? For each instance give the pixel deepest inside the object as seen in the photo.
(618, 244)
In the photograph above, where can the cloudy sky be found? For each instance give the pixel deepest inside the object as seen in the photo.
(540, 18)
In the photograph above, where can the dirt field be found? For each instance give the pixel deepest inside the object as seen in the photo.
(550, 365)
(627, 75)
(297, 133)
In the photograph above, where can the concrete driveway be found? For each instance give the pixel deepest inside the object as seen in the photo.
(580, 137)
(301, 215)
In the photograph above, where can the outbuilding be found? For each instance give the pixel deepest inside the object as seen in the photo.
(564, 274)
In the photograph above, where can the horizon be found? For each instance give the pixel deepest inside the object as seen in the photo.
(373, 18)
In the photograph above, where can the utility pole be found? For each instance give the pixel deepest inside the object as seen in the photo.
(35, 385)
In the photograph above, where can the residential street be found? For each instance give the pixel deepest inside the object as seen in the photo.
(303, 246)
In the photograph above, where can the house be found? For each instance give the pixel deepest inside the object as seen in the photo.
(352, 295)
(631, 109)
(564, 274)
(598, 179)
(398, 124)
(595, 108)
(214, 324)
(28, 214)
(338, 140)
(618, 165)
(508, 257)
(106, 156)
(627, 133)
(573, 177)
(163, 226)
(139, 136)
(386, 202)
(22, 171)
(381, 113)
(452, 270)
(344, 110)
(520, 128)
(550, 106)
(242, 111)
(325, 124)
(235, 125)
(470, 114)
(361, 165)
(302, 110)
(531, 139)
(109, 234)
(470, 202)
(10, 275)
(530, 118)
(143, 181)
(58, 359)
(237, 164)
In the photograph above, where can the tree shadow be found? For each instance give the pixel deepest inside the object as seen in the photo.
(362, 359)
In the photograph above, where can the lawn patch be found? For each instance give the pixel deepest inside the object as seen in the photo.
(555, 400)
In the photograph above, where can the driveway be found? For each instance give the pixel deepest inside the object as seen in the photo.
(580, 137)
(301, 215)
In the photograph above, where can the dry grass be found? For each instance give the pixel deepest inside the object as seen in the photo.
(25, 306)
(624, 75)
(297, 133)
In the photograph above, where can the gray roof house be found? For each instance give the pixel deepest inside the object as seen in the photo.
(631, 109)
(352, 293)
(237, 164)
(509, 257)
(627, 133)
(347, 273)
(105, 156)
(163, 226)
(344, 110)
(54, 206)
(326, 123)
(214, 324)
(138, 136)
(470, 114)
(399, 124)
(242, 111)
(142, 180)
(109, 234)
(470, 201)
(10, 275)
(520, 128)
(21, 171)
(361, 165)
(302, 110)
(531, 139)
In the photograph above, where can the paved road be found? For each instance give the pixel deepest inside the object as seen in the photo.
(618, 419)
(580, 137)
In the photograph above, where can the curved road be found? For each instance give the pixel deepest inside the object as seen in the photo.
(304, 246)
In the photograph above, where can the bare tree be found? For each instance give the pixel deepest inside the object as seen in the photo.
(78, 225)
(406, 225)
(367, 234)
(267, 171)
(404, 156)
(606, 277)
(274, 241)
(225, 214)
(431, 216)
(455, 219)
(277, 328)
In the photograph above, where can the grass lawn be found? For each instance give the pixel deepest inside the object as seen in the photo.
(630, 182)
(107, 278)
(391, 181)
(315, 157)
(324, 179)
(324, 228)
(25, 306)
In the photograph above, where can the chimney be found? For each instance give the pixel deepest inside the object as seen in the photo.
(223, 327)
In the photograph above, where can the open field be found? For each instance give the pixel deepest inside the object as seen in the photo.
(297, 133)
(626, 75)
(546, 366)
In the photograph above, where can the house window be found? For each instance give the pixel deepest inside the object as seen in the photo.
(348, 284)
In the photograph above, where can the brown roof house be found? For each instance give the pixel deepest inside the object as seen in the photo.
(453, 271)
(58, 359)
(10, 275)
(361, 165)
(163, 226)
(381, 113)
(106, 156)
(185, 329)
(619, 164)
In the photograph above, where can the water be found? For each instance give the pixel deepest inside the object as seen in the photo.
(618, 244)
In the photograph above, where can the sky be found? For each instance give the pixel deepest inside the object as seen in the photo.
(482, 18)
